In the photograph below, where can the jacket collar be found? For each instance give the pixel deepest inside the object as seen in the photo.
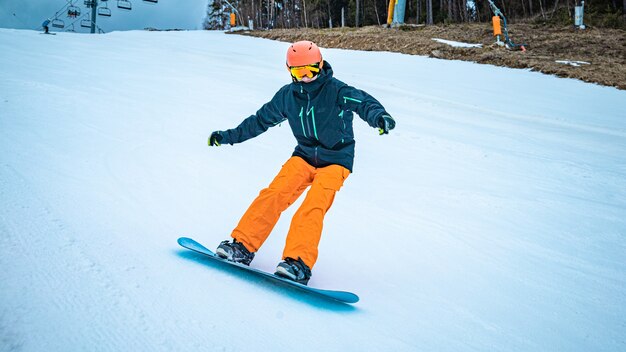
(322, 78)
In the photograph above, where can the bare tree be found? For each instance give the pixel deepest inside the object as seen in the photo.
(321, 13)
(419, 11)
(429, 12)
(376, 10)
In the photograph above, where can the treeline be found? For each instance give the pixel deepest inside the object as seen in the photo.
(269, 14)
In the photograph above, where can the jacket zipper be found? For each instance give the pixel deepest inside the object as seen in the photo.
(309, 111)
(302, 116)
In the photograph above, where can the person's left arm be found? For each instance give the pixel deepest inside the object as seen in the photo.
(367, 107)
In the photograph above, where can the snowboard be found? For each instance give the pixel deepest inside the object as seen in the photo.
(341, 296)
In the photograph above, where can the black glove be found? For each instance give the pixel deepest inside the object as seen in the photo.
(385, 124)
(216, 139)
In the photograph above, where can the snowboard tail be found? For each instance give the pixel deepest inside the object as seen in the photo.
(341, 296)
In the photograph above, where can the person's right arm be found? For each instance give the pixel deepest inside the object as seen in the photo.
(269, 115)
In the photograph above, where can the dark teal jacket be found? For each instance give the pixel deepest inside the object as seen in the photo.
(320, 116)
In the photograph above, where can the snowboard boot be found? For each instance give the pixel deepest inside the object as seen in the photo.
(294, 270)
(235, 252)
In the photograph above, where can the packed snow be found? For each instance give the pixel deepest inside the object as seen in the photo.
(493, 218)
(456, 44)
(572, 63)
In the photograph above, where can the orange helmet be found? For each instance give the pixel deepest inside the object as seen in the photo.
(303, 53)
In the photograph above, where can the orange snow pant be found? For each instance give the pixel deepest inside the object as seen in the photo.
(305, 231)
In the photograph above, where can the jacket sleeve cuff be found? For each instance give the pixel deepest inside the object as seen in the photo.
(226, 137)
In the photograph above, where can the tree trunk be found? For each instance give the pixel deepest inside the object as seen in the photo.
(305, 19)
(273, 13)
(429, 12)
(463, 13)
(556, 5)
(569, 9)
(441, 7)
(530, 7)
(375, 10)
(260, 15)
(330, 15)
(419, 10)
(477, 14)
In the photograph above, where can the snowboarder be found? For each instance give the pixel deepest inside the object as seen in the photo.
(45, 26)
(318, 108)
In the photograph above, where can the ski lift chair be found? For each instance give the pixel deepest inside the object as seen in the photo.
(124, 4)
(152, 1)
(104, 11)
(86, 23)
(58, 23)
(73, 11)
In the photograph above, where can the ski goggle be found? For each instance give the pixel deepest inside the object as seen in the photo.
(300, 72)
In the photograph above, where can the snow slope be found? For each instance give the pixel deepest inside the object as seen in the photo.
(493, 218)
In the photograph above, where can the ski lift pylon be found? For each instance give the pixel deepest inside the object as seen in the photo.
(124, 4)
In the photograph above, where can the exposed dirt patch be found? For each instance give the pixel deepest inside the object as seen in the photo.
(603, 49)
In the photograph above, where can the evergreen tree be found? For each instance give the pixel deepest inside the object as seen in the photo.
(217, 16)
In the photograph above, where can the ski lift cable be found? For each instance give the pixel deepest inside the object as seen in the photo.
(68, 4)
(56, 14)
(126, 4)
(86, 14)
